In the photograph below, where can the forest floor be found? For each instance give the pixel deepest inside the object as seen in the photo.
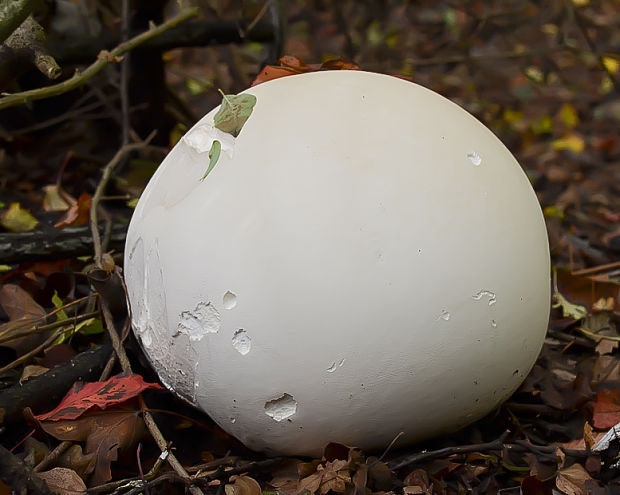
(543, 76)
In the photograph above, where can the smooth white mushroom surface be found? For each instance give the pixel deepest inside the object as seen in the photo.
(364, 258)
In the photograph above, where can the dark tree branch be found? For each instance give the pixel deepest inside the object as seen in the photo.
(41, 392)
(19, 477)
(50, 244)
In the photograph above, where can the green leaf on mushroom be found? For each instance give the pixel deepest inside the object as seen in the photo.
(214, 155)
(234, 112)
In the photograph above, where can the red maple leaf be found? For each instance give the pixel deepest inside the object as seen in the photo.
(83, 396)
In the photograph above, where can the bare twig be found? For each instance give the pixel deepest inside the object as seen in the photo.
(148, 418)
(125, 75)
(104, 59)
(107, 173)
(52, 456)
(128, 482)
(30, 327)
(60, 329)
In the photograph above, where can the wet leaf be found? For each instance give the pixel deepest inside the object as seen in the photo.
(82, 396)
(17, 219)
(233, 113)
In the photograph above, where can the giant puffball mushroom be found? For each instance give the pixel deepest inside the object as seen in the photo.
(364, 258)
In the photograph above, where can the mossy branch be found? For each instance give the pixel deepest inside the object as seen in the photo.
(103, 59)
(13, 13)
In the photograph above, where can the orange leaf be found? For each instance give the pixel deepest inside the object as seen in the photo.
(78, 213)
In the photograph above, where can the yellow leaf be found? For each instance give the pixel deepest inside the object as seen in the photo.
(16, 219)
(535, 74)
(512, 116)
(553, 212)
(581, 3)
(568, 115)
(611, 64)
(543, 126)
(572, 142)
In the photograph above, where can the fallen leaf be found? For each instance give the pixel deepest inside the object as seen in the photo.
(572, 142)
(290, 66)
(572, 480)
(16, 219)
(333, 476)
(339, 64)
(74, 458)
(606, 409)
(233, 113)
(56, 199)
(63, 481)
(78, 213)
(293, 63)
(243, 485)
(83, 396)
(23, 312)
(105, 433)
(31, 371)
(588, 435)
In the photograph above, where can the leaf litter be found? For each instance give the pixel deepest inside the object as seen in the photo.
(555, 108)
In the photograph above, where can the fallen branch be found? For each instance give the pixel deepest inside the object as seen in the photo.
(42, 391)
(495, 445)
(18, 477)
(51, 244)
(80, 78)
(188, 34)
(404, 461)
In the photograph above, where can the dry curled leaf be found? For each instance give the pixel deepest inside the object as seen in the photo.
(243, 485)
(334, 476)
(572, 480)
(63, 481)
(105, 433)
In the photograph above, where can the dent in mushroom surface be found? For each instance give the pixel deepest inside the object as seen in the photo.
(203, 319)
(281, 408)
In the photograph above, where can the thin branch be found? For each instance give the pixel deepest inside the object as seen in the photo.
(146, 415)
(103, 59)
(60, 449)
(107, 174)
(124, 83)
